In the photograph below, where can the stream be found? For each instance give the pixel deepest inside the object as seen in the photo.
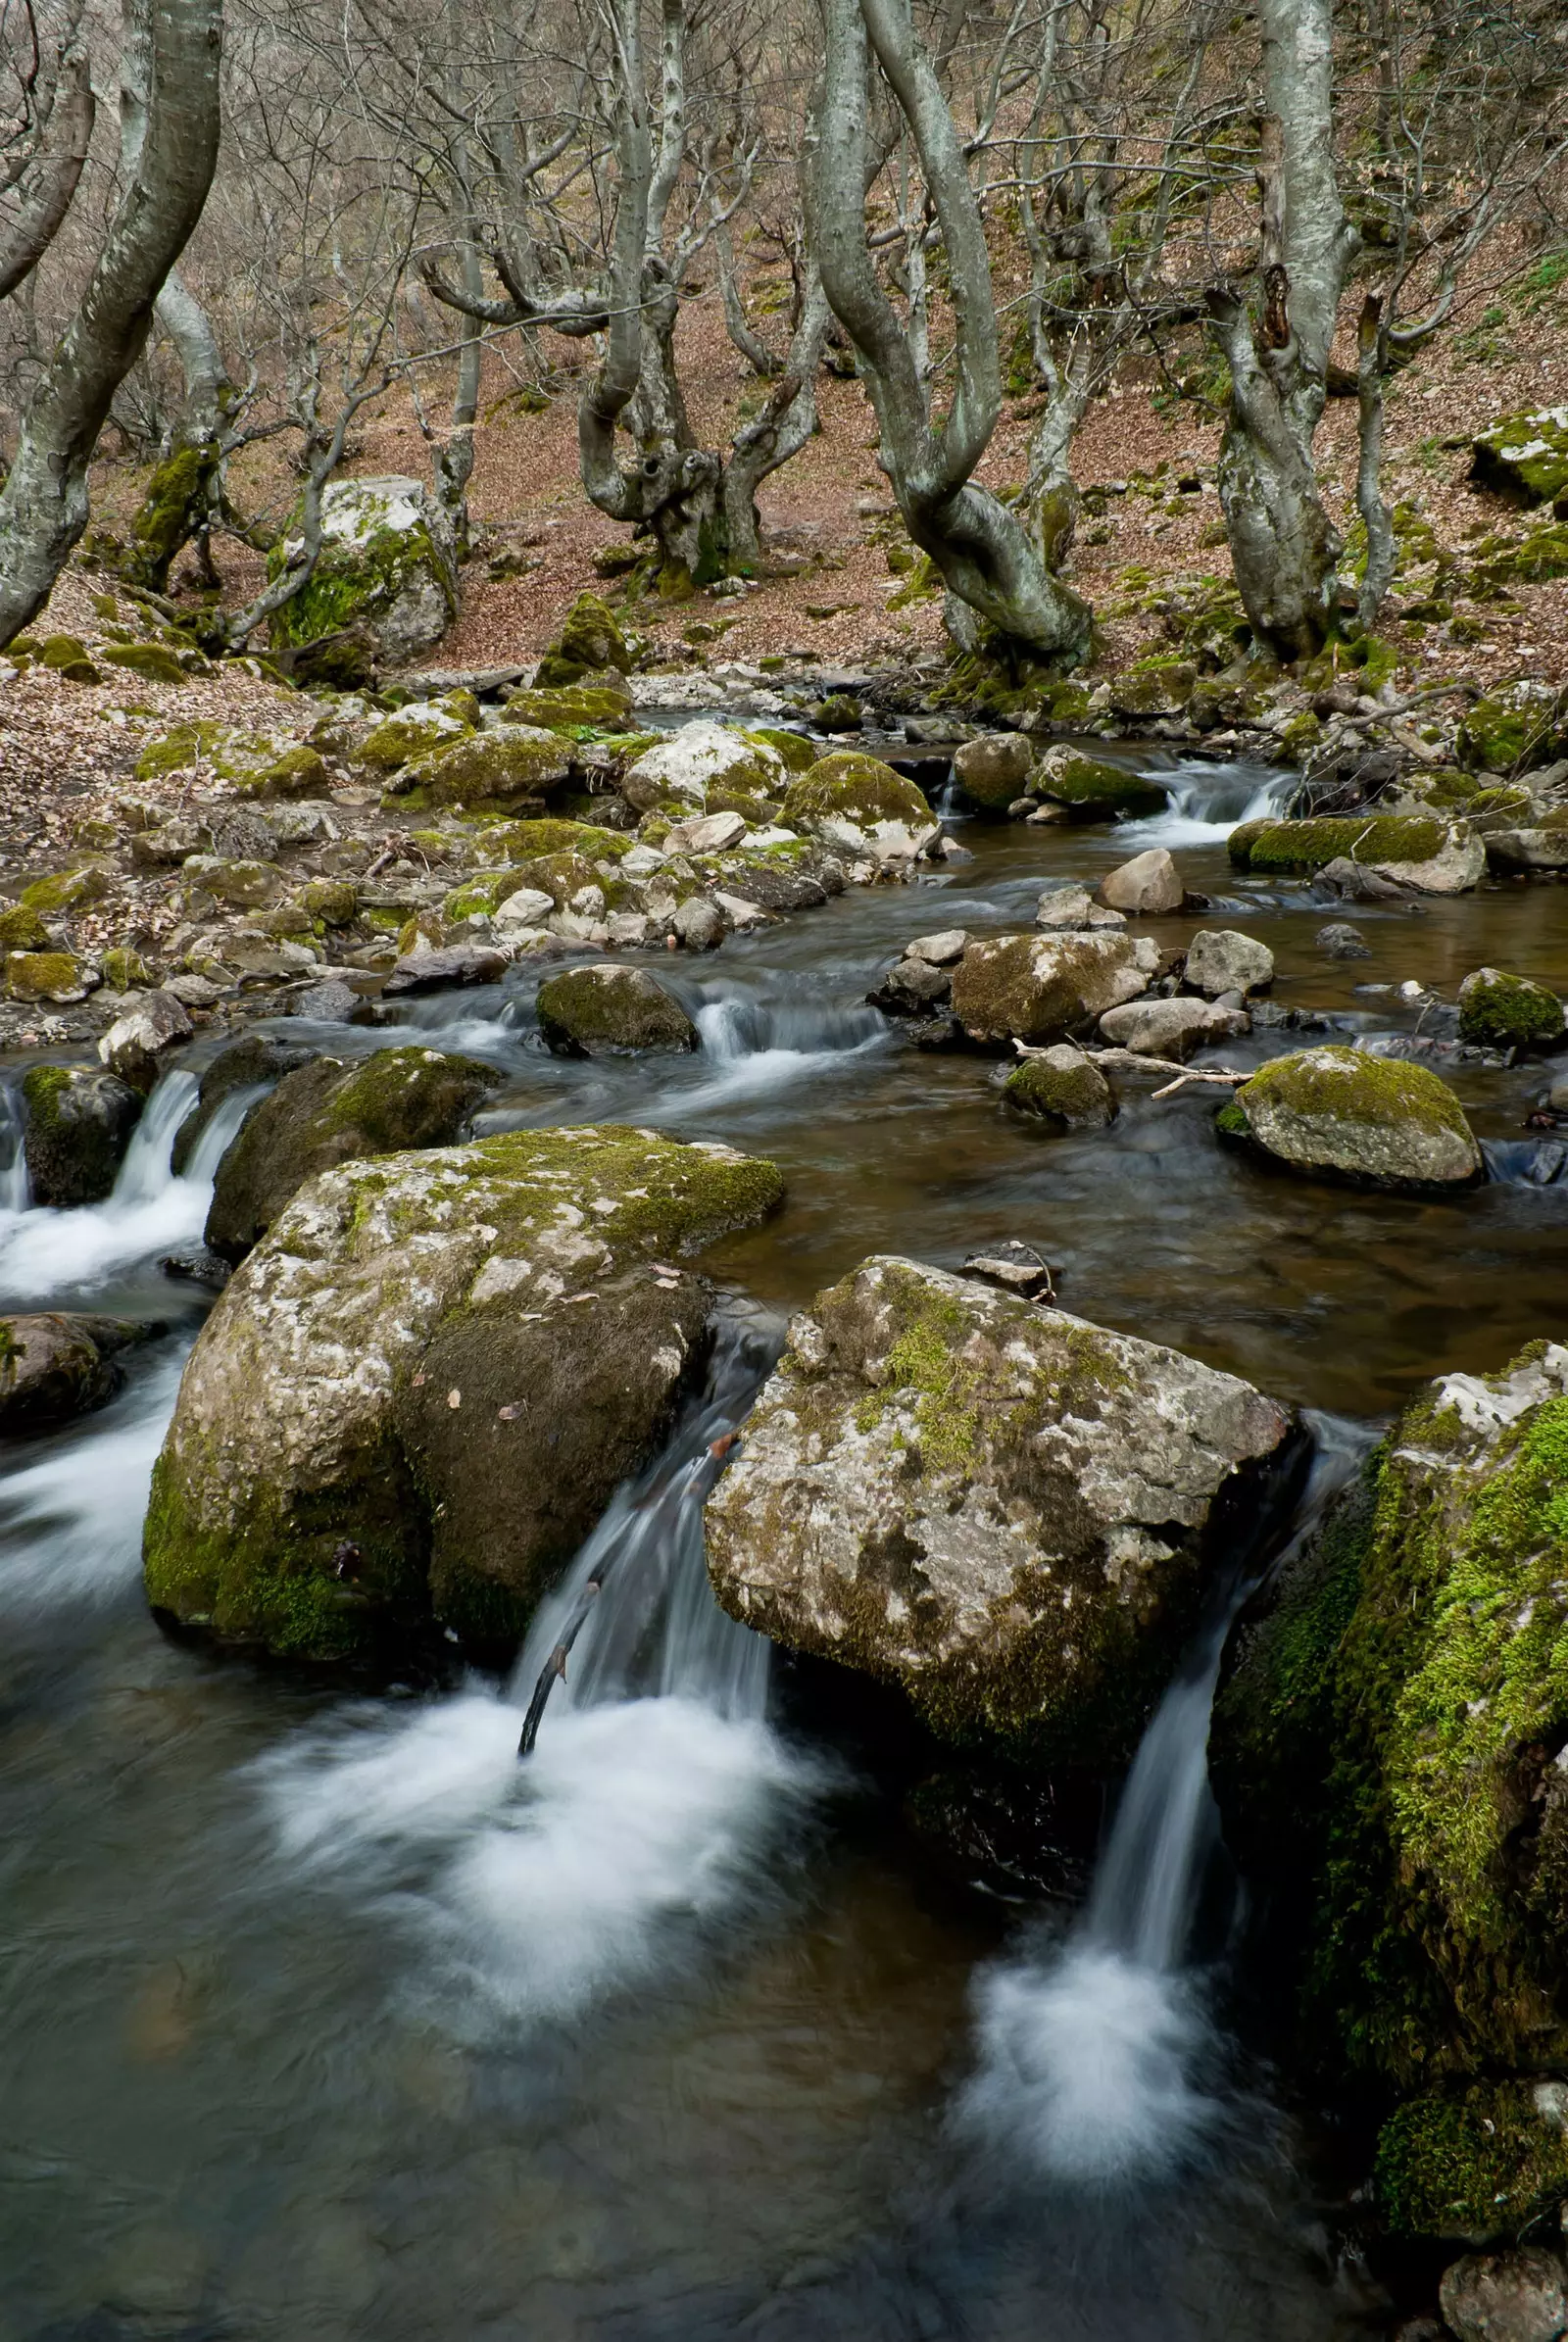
(322, 2017)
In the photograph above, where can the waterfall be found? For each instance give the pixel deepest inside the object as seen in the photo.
(753, 1047)
(1096, 2055)
(144, 1173)
(1207, 799)
(15, 1192)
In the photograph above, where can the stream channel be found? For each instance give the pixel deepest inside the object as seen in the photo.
(321, 2018)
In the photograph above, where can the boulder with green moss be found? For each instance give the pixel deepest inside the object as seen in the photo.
(77, 1123)
(581, 708)
(1061, 1088)
(798, 752)
(607, 1010)
(386, 570)
(860, 806)
(69, 657)
(1008, 1512)
(994, 768)
(1040, 988)
(154, 663)
(589, 643)
(1524, 457)
(512, 766)
(329, 1113)
(1091, 789)
(424, 728)
(702, 760)
(253, 762)
(1341, 1114)
(1420, 850)
(45, 976)
(1501, 1011)
(1514, 729)
(417, 1397)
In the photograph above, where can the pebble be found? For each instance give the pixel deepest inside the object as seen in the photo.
(1340, 942)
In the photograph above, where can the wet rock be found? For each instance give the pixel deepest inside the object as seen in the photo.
(943, 949)
(1018, 1268)
(329, 1113)
(1158, 690)
(1338, 941)
(1146, 887)
(141, 1038)
(1541, 848)
(458, 963)
(1045, 988)
(607, 1010)
(333, 1003)
(1409, 850)
(1506, 2297)
(1069, 908)
(709, 833)
(1005, 1510)
(247, 1063)
(860, 805)
(54, 1366)
(418, 1395)
(1339, 1113)
(196, 1265)
(1220, 959)
(696, 924)
(1063, 1087)
(1091, 789)
(786, 885)
(1171, 1028)
(912, 987)
(1501, 1012)
(1351, 883)
(77, 1126)
(995, 768)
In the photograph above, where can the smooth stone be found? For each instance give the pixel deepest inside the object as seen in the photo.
(1146, 887)
(1221, 959)
(939, 950)
(134, 1043)
(1171, 1028)
(710, 833)
(461, 963)
(1338, 941)
(698, 924)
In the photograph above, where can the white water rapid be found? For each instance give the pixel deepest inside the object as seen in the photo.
(1207, 803)
(1098, 2059)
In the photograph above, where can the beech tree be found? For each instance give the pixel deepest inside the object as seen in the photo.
(45, 132)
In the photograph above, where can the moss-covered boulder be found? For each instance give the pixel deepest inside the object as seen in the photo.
(1514, 729)
(1524, 457)
(585, 707)
(256, 1060)
(386, 570)
(1008, 1512)
(1501, 1011)
(44, 976)
(994, 768)
(512, 766)
(1473, 2161)
(255, 763)
(69, 658)
(798, 752)
(77, 1125)
(1062, 1088)
(860, 805)
(590, 640)
(67, 890)
(54, 1366)
(329, 1113)
(1093, 789)
(514, 842)
(606, 1010)
(154, 663)
(415, 1397)
(424, 728)
(1340, 1114)
(1045, 988)
(1434, 857)
(700, 761)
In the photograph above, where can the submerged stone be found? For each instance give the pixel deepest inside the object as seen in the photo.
(54, 1366)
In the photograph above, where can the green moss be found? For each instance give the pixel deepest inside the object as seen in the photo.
(590, 640)
(490, 768)
(1096, 789)
(124, 970)
(1513, 730)
(67, 890)
(67, 656)
(799, 753)
(355, 581)
(583, 710)
(1350, 1084)
(1231, 1122)
(1497, 1010)
(855, 788)
(1309, 843)
(518, 841)
(1075, 1098)
(42, 976)
(150, 660)
(21, 929)
(1472, 2163)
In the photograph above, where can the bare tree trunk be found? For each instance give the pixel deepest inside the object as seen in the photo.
(986, 557)
(1283, 546)
(55, 172)
(1380, 548)
(454, 464)
(780, 431)
(44, 505)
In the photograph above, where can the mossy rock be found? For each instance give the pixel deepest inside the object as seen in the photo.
(124, 970)
(799, 753)
(44, 976)
(1501, 1011)
(1341, 1114)
(1469, 2165)
(67, 656)
(335, 902)
(516, 842)
(77, 1123)
(1433, 854)
(514, 763)
(687, 766)
(607, 1010)
(590, 640)
(586, 709)
(1093, 789)
(418, 1394)
(1524, 456)
(1514, 729)
(67, 890)
(329, 1113)
(427, 728)
(150, 660)
(851, 790)
(255, 1060)
(1064, 1088)
(385, 575)
(1368, 660)
(21, 929)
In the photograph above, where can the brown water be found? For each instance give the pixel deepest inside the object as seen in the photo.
(275, 2057)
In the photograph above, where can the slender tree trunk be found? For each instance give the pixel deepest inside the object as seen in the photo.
(54, 173)
(780, 431)
(1379, 523)
(454, 464)
(44, 505)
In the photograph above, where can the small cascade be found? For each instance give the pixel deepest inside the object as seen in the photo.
(144, 1173)
(15, 1192)
(1096, 2057)
(1207, 801)
(751, 1047)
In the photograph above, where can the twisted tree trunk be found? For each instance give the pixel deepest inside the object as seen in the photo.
(44, 505)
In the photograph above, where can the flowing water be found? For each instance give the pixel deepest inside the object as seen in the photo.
(326, 2015)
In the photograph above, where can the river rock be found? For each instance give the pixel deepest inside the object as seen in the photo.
(1339, 1113)
(247, 1063)
(140, 1038)
(702, 759)
(454, 963)
(1061, 1087)
(1506, 2297)
(1091, 788)
(1045, 987)
(1070, 910)
(709, 832)
(508, 769)
(912, 988)
(1341, 941)
(1221, 959)
(1171, 1028)
(54, 1366)
(1501, 1011)
(1417, 851)
(995, 768)
(1007, 1511)
(696, 924)
(943, 949)
(1542, 848)
(79, 1124)
(417, 1397)
(331, 1111)
(608, 1010)
(1146, 887)
(860, 805)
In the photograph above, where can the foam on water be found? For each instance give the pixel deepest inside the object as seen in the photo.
(757, 1046)
(70, 1516)
(1208, 802)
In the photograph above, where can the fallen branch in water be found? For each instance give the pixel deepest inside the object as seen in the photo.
(1228, 1081)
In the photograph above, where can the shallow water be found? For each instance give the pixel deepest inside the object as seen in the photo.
(319, 2016)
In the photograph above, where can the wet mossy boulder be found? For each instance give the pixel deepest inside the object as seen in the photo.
(55, 977)
(583, 707)
(1040, 988)
(424, 728)
(415, 1397)
(1061, 1088)
(329, 1113)
(1008, 1512)
(77, 1125)
(1388, 1757)
(1524, 457)
(257, 1061)
(54, 1366)
(386, 571)
(860, 804)
(1343, 1115)
(1501, 1011)
(994, 768)
(590, 640)
(1433, 856)
(702, 759)
(1093, 789)
(1514, 729)
(609, 1011)
(514, 764)
(514, 842)
(1473, 2161)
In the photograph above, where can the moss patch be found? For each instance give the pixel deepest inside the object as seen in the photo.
(1501, 1011)
(1309, 843)
(1476, 2162)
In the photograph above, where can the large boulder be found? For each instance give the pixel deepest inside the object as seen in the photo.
(1221, 959)
(1340, 1115)
(329, 1113)
(1045, 987)
(503, 770)
(255, 1060)
(1541, 847)
(608, 1010)
(861, 806)
(995, 768)
(702, 760)
(1409, 850)
(1501, 1011)
(1008, 1512)
(140, 1039)
(386, 571)
(1093, 789)
(415, 1397)
(1514, 729)
(77, 1126)
(54, 1366)
(1524, 457)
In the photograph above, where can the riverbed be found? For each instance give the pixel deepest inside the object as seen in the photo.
(317, 2021)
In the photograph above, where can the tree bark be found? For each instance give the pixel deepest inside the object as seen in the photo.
(44, 505)
(53, 170)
